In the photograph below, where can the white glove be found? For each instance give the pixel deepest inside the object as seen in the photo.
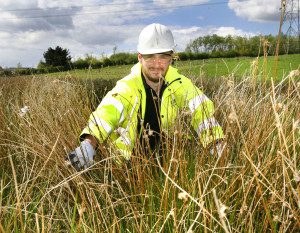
(83, 156)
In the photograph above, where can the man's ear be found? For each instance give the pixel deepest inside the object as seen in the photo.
(140, 57)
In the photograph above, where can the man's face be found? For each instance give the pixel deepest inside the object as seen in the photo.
(155, 66)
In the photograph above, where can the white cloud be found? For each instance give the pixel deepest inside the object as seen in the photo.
(16, 4)
(28, 15)
(256, 10)
(170, 3)
(28, 47)
(87, 27)
(29, 28)
(184, 35)
(225, 31)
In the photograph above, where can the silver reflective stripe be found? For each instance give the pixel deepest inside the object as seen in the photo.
(126, 140)
(208, 123)
(102, 123)
(124, 137)
(124, 134)
(117, 104)
(195, 102)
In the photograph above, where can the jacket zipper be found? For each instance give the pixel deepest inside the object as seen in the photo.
(168, 84)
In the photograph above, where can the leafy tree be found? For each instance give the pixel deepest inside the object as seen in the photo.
(57, 57)
(88, 62)
(230, 46)
(123, 58)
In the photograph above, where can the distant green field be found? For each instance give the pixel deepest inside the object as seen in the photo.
(237, 66)
(199, 68)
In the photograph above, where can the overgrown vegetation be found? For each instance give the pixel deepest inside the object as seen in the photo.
(253, 187)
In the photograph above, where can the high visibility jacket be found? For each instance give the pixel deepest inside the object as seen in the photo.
(120, 110)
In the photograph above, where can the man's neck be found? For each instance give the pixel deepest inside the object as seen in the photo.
(156, 86)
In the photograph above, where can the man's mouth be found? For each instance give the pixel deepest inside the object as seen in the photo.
(157, 72)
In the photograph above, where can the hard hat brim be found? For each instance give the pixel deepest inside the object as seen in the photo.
(154, 51)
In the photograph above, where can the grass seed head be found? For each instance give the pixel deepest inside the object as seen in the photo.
(276, 218)
(294, 73)
(150, 132)
(243, 209)
(23, 111)
(183, 196)
(232, 117)
(297, 176)
(278, 107)
(222, 210)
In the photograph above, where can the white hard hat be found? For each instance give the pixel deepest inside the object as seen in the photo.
(155, 38)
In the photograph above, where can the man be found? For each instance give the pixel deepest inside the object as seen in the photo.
(147, 103)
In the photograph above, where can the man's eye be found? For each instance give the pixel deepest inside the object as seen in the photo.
(147, 56)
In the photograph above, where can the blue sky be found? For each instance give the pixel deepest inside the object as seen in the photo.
(217, 14)
(28, 28)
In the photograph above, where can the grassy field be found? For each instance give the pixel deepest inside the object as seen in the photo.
(253, 187)
(201, 68)
(239, 66)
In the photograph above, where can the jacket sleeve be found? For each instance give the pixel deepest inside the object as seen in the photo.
(203, 120)
(110, 113)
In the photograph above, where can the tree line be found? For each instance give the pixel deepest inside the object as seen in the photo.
(233, 46)
(60, 58)
(211, 46)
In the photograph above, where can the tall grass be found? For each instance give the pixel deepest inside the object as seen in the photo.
(253, 187)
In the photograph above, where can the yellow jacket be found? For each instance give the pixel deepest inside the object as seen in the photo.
(117, 115)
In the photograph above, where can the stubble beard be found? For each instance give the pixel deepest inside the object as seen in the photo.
(155, 79)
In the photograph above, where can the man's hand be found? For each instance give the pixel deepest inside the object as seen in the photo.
(83, 156)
